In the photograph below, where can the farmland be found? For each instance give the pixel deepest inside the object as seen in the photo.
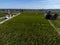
(29, 28)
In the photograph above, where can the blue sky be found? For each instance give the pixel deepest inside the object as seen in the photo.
(30, 4)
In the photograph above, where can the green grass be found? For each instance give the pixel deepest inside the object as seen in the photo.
(57, 21)
(29, 28)
(2, 14)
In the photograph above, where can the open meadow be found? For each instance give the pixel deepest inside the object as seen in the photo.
(29, 28)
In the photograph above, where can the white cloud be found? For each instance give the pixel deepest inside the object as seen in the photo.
(52, 6)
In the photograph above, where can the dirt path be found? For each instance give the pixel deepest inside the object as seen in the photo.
(57, 29)
(9, 18)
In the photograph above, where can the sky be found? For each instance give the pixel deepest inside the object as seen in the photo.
(30, 4)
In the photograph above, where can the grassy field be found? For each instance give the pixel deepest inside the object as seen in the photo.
(29, 28)
(2, 14)
(57, 21)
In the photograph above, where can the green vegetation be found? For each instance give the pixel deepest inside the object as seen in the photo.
(29, 28)
(2, 14)
(57, 21)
